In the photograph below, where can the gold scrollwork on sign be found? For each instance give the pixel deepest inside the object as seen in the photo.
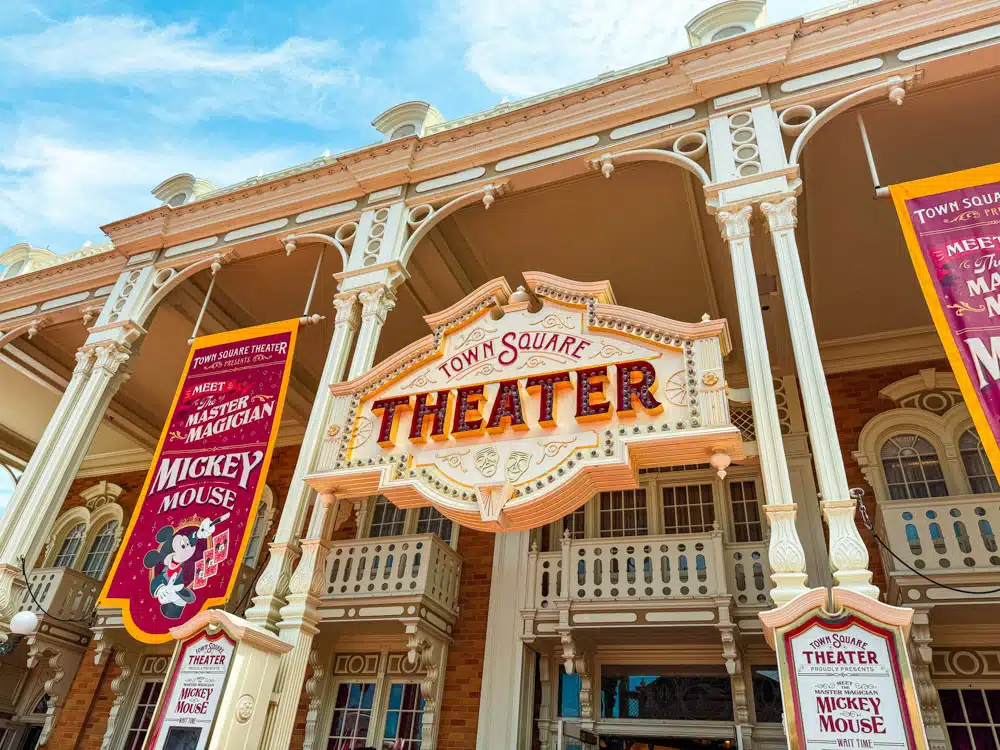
(455, 460)
(963, 307)
(484, 369)
(611, 350)
(537, 360)
(551, 448)
(420, 381)
(553, 321)
(476, 334)
(964, 216)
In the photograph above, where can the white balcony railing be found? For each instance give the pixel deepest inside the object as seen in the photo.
(749, 574)
(651, 568)
(62, 592)
(413, 565)
(943, 534)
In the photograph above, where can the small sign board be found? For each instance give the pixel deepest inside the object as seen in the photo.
(188, 707)
(846, 681)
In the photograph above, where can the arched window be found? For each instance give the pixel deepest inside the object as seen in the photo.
(70, 547)
(256, 536)
(977, 465)
(912, 468)
(100, 551)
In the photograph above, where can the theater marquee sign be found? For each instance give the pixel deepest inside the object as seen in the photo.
(509, 416)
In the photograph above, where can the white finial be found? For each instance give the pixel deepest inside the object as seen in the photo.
(706, 317)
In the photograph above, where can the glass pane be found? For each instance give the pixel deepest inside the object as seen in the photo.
(569, 694)
(983, 738)
(951, 706)
(629, 692)
(960, 739)
(975, 707)
(993, 700)
(767, 694)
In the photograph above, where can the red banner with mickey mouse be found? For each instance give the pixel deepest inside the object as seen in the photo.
(190, 528)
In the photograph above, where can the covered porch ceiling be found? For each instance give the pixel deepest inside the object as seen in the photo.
(646, 230)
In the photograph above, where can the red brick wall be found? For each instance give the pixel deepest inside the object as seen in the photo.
(84, 718)
(464, 675)
(84, 715)
(855, 398)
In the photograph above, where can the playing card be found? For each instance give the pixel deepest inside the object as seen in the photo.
(220, 542)
(211, 566)
(200, 579)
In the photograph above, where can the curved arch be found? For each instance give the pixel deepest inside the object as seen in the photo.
(839, 106)
(261, 527)
(291, 241)
(650, 154)
(487, 194)
(900, 421)
(214, 261)
(31, 328)
(63, 525)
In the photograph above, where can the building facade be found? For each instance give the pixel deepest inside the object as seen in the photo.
(728, 185)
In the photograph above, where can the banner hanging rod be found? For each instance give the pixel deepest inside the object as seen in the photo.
(880, 191)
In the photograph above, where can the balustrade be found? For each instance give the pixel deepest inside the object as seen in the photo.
(942, 535)
(414, 565)
(62, 592)
(650, 568)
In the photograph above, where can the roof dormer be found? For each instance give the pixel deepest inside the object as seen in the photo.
(22, 258)
(181, 188)
(725, 20)
(408, 118)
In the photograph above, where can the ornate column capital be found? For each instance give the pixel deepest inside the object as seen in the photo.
(781, 215)
(376, 302)
(734, 223)
(84, 361)
(346, 304)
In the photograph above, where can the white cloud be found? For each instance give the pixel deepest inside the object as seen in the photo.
(53, 189)
(189, 75)
(106, 47)
(525, 47)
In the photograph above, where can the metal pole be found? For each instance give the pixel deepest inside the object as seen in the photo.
(204, 305)
(312, 287)
(880, 192)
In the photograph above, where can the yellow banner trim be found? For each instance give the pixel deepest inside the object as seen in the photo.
(919, 189)
(227, 337)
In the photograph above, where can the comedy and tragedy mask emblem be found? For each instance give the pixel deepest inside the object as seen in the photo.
(517, 464)
(487, 460)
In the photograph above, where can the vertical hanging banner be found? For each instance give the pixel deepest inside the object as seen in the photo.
(190, 528)
(952, 228)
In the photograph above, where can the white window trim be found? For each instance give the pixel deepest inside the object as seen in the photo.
(65, 524)
(380, 703)
(653, 484)
(943, 432)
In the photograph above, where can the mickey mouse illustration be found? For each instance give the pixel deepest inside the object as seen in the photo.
(174, 565)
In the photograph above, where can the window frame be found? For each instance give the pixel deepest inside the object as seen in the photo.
(383, 682)
(410, 519)
(93, 534)
(68, 522)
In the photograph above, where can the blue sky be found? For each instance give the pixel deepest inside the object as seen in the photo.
(101, 100)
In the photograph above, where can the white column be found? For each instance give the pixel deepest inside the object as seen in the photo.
(299, 625)
(848, 554)
(504, 664)
(785, 553)
(284, 548)
(376, 302)
(35, 504)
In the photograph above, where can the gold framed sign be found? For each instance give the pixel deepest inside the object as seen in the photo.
(846, 680)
